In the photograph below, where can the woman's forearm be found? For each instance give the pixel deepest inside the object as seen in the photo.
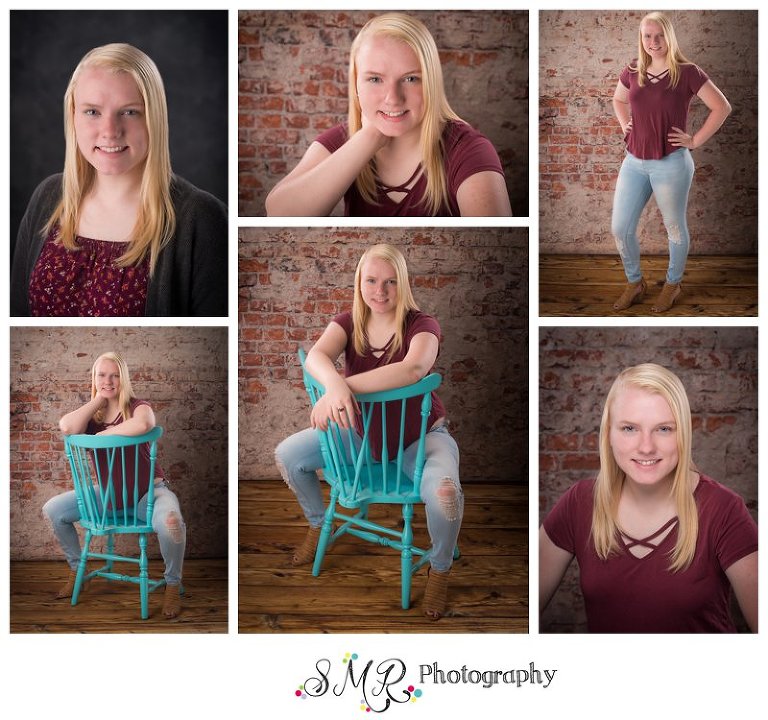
(76, 422)
(387, 377)
(135, 426)
(711, 125)
(317, 191)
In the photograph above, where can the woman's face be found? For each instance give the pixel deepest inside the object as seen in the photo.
(110, 122)
(654, 41)
(389, 86)
(378, 285)
(107, 377)
(643, 436)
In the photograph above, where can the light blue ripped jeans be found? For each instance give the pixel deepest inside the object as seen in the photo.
(62, 511)
(298, 458)
(669, 181)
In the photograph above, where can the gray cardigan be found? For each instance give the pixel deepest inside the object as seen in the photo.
(190, 278)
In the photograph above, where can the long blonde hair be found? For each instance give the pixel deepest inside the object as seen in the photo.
(156, 220)
(654, 379)
(437, 111)
(126, 393)
(404, 304)
(675, 57)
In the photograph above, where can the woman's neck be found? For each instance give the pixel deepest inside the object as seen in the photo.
(657, 66)
(116, 189)
(111, 410)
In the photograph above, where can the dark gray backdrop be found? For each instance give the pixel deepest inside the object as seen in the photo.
(188, 47)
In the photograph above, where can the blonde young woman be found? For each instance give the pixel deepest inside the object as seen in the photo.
(114, 410)
(118, 234)
(403, 151)
(659, 544)
(651, 103)
(387, 343)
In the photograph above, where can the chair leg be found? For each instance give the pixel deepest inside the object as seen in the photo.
(143, 576)
(110, 551)
(406, 557)
(81, 567)
(325, 533)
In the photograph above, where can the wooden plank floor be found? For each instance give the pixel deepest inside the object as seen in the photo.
(113, 607)
(358, 589)
(588, 285)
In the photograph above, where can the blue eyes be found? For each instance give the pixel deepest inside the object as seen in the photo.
(410, 79)
(371, 281)
(93, 112)
(664, 429)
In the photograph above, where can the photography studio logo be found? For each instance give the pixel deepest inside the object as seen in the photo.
(376, 686)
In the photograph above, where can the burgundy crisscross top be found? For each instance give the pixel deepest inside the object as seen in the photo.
(657, 107)
(465, 153)
(631, 594)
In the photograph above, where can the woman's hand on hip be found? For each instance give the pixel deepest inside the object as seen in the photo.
(680, 138)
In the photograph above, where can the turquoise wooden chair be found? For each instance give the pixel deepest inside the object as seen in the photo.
(105, 470)
(357, 480)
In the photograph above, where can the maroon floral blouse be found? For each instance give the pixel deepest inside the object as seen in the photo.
(86, 282)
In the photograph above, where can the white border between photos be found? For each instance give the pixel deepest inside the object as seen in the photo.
(254, 675)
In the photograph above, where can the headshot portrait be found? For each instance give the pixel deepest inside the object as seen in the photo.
(648, 169)
(406, 351)
(648, 480)
(118, 163)
(390, 114)
(118, 468)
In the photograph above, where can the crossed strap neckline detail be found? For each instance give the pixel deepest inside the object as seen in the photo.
(400, 188)
(657, 78)
(647, 542)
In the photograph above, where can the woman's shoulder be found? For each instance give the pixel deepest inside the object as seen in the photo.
(344, 319)
(136, 402)
(458, 132)
(333, 138)
(711, 492)
(417, 321)
(48, 192)
(187, 196)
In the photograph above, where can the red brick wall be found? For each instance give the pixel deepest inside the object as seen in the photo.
(293, 85)
(581, 149)
(181, 371)
(475, 281)
(718, 367)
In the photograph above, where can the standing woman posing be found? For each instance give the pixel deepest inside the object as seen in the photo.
(403, 150)
(118, 234)
(387, 343)
(651, 102)
(114, 410)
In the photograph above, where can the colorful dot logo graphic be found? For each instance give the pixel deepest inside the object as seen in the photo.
(300, 693)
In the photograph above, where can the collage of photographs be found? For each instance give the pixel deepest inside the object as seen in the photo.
(440, 360)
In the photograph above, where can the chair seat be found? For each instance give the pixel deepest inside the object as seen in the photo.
(378, 490)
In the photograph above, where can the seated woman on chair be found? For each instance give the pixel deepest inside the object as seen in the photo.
(387, 343)
(114, 410)
(697, 541)
(403, 151)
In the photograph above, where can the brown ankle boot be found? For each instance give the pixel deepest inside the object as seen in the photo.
(305, 553)
(66, 590)
(435, 600)
(633, 293)
(171, 601)
(667, 297)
